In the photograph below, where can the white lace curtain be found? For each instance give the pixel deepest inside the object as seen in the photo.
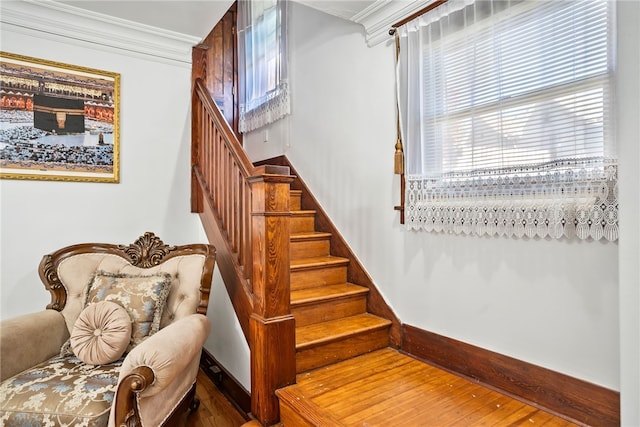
(262, 62)
(506, 120)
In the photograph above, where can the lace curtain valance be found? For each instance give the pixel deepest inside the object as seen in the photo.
(505, 117)
(262, 62)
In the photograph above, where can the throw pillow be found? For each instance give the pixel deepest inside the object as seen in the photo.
(143, 296)
(101, 333)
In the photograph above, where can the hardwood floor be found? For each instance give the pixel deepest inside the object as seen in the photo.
(215, 409)
(388, 388)
(383, 388)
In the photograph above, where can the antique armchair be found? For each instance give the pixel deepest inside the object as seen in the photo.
(120, 342)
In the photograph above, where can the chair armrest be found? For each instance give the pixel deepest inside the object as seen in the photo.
(28, 340)
(154, 365)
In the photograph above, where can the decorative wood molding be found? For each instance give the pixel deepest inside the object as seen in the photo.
(96, 31)
(571, 398)
(147, 251)
(52, 284)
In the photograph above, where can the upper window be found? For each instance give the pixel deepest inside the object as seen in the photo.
(262, 43)
(505, 118)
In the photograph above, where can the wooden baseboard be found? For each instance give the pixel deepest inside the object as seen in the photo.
(226, 383)
(571, 398)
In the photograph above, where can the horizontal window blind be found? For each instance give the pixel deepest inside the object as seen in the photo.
(262, 63)
(504, 104)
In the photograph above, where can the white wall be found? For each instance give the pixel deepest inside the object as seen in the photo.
(154, 189)
(550, 303)
(38, 217)
(226, 341)
(628, 119)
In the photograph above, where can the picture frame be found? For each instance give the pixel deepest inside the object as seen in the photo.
(58, 122)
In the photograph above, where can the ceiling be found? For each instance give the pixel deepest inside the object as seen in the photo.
(196, 17)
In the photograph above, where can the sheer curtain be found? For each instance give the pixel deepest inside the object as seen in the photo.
(506, 120)
(262, 62)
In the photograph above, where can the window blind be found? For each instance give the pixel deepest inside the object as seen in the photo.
(262, 62)
(505, 115)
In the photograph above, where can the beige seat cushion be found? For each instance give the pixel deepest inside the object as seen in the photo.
(102, 333)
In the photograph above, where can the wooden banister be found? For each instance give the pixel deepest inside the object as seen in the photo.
(245, 213)
(223, 168)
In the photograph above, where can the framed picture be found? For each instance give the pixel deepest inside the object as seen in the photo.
(57, 121)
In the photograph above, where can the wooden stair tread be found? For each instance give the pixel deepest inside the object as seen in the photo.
(318, 262)
(328, 292)
(321, 333)
(305, 212)
(310, 235)
(306, 408)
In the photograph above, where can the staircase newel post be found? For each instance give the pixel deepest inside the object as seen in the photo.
(272, 327)
(198, 71)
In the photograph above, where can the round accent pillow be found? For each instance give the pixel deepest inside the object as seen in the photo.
(101, 334)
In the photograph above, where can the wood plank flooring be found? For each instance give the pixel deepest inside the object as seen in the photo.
(382, 388)
(215, 409)
(388, 388)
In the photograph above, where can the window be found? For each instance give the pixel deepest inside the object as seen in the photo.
(262, 61)
(506, 119)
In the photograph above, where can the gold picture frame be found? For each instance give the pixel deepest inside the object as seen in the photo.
(58, 122)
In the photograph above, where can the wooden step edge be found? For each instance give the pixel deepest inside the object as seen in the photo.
(303, 213)
(296, 192)
(309, 235)
(381, 323)
(306, 408)
(317, 262)
(331, 293)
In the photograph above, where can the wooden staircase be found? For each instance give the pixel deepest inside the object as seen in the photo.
(348, 372)
(332, 322)
(297, 288)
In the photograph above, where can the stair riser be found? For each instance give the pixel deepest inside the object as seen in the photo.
(342, 349)
(302, 223)
(309, 248)
(329, 310)
(294, 200)
(290, 418)
(302, 279)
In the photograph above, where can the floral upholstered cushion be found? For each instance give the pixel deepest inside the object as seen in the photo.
(143, 296)
(101, 334)
(61, 391)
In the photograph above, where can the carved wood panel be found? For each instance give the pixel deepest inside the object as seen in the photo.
(221, 73)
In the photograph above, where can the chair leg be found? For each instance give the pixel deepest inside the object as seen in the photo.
(188, 406)
(195, 404)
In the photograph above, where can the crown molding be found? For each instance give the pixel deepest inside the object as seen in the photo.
(79, 26)
(378, 18)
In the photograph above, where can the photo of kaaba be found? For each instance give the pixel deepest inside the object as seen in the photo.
(59, 115)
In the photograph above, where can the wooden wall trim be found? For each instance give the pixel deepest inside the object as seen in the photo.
(573, 399)
(239, 397)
